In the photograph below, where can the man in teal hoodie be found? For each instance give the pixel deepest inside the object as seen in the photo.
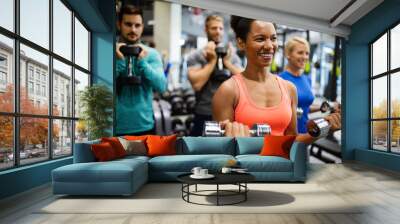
(134, 102)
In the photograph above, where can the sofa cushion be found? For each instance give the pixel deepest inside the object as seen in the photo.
(130, 158)
(249, 145)
(112, 171)
(207, 145)
(257, 163)
(185, 163)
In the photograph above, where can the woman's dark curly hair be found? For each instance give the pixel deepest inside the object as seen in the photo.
(241, 26)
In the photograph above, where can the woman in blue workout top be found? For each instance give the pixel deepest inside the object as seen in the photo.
(297, 52)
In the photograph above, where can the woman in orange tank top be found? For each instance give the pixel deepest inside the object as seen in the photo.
(256, 95)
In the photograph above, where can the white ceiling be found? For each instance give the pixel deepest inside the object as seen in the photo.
(320, 9)
(317, 15)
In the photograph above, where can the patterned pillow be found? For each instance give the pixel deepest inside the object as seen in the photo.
(133, 147)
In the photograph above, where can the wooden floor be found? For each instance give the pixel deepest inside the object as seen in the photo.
(378, 188)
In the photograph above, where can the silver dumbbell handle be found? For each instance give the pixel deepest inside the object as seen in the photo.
(213, 129)
(299, 112)
(252, 132)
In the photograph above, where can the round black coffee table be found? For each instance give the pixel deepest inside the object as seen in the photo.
(238, 179)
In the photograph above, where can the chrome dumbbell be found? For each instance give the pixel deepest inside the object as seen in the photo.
(213, 129)
(327, 106)
(299, 112)
(320, 127)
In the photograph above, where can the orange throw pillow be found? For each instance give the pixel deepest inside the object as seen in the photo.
(277, 145)
(116, 145)
(161, 145)
(103, 152)
(134, 138)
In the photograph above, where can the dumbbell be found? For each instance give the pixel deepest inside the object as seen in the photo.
(299, 112)
(189, 123)
(178, 127)
(131, 51)
(213, 129)
(221, 51)
(327, 106)
(320, 127)
(177, 103)
(190, 100)
(166, 95)
(190, 104)
(220, 72)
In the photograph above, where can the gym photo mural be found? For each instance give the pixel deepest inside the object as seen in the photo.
(195, 72)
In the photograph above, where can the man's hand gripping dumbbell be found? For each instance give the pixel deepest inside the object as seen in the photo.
(321, 127)
(216, 129)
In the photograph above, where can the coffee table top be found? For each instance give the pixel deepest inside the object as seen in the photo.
(220, 178)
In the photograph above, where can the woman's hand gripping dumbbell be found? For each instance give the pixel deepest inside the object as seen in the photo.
(234, 129)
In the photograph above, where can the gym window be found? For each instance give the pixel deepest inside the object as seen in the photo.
(44, 64)
(385, 95)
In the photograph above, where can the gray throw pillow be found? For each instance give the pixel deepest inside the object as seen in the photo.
(135, 147)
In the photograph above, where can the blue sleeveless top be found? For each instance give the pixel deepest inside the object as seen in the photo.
(305, 97)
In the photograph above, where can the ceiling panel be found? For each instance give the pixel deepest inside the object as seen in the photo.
(315, 15)
(320, 9)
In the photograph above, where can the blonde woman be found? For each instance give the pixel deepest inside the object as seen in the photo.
(297, 52)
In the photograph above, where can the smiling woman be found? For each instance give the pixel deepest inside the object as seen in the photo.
(256, 91)
(297, 52)
(256, 95)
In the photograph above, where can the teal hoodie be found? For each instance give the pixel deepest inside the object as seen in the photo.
(134, 105)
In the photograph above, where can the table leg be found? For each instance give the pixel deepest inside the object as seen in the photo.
(182, 190)
(217, 194)
(188, 192)
(245, 191)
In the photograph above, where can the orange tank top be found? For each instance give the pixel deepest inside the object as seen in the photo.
(247, 112)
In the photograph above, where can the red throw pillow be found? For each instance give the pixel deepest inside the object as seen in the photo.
(116, 145)
(277, 145)
(161, 145)
(103, 151)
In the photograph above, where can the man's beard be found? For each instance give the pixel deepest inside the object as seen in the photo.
(216, 42)
(127, 41)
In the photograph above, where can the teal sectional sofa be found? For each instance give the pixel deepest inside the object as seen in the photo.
(125, 176)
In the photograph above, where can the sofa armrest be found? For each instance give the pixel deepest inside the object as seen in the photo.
(83, 152)
(298, 155)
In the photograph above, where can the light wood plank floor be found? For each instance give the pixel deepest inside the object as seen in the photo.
(378, 188)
